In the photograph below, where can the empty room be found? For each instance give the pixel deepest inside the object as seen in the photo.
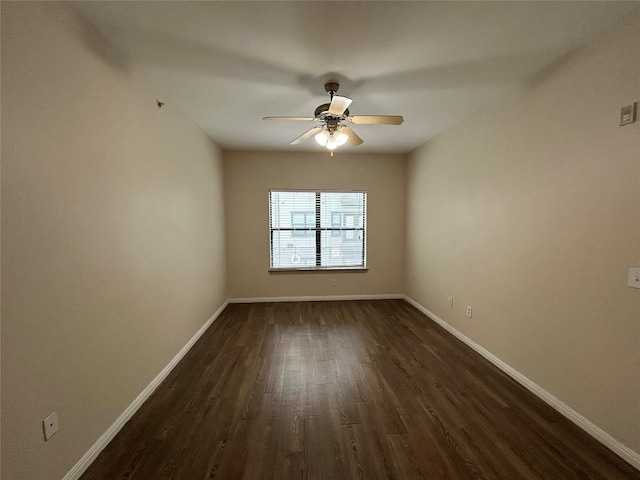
(320, 240)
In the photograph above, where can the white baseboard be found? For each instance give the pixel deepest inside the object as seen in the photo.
(596, 432)
(88, 458)
(318, 298)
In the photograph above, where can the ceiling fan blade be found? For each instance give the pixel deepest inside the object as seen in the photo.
(339, 105)
(354, 139)
(377, 119)
(307, 134)
(301, 119)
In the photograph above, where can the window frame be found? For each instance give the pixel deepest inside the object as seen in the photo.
(318, 229)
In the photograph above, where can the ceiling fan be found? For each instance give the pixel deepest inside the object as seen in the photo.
(334, 118)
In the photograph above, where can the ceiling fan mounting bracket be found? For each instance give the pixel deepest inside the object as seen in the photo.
(331, 88)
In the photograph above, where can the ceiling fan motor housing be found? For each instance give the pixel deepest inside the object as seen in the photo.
(324, 108)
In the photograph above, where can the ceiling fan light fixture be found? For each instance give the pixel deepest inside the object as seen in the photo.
(331, 140)
(322, 138)
(341, 138)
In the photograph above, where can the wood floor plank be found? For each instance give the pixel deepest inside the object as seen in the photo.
(345, 390)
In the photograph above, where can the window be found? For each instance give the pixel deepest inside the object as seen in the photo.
(317, 230)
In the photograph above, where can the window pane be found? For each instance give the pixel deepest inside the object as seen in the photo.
(293, 251)
(340, 203)
(341, 251)
(284, 204)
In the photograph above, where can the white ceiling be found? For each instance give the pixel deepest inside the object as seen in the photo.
(228, 64)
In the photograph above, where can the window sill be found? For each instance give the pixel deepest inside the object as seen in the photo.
(319, 270)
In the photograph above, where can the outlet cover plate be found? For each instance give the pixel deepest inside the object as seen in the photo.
(50, 425)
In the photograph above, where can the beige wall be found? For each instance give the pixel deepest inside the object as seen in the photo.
(112, 237)
(530, 213)
(248, 178)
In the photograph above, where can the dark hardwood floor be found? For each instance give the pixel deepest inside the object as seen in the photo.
(345, 390)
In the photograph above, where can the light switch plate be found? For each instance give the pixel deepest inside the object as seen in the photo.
(634, 277)
(628, 114)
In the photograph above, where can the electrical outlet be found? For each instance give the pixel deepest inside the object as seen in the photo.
(450, 301)
(215, 289)
(469, 311)
(50, 425)
(334, 282)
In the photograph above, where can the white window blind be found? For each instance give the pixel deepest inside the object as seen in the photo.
(312, 230)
